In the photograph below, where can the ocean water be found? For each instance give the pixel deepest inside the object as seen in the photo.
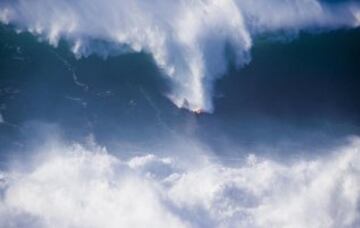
(237, 115)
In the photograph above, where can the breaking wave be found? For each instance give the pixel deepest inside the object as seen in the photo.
(82, 186)
(186, 38)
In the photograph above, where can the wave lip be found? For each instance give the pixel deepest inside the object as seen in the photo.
(186, 38)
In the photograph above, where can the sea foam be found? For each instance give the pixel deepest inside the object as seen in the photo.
(81, 186)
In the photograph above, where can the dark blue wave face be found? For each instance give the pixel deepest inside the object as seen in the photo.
(294, 94)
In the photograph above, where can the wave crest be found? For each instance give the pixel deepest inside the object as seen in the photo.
(186, 38)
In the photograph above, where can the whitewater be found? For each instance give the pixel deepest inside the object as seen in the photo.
(85, 186)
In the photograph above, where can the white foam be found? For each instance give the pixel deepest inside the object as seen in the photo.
(78, 187)
(185, 37)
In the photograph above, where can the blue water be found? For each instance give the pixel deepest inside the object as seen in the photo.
(303, 92)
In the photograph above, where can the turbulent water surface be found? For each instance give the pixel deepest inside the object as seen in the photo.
(209, 113)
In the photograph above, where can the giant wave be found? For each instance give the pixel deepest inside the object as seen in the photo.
(186, 38)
